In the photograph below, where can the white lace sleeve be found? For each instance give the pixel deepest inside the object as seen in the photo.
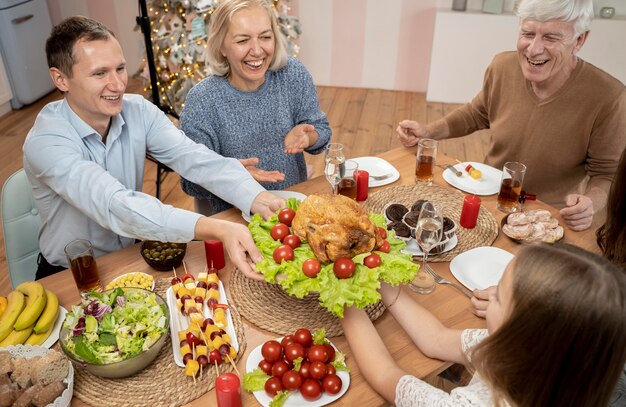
(471, 338)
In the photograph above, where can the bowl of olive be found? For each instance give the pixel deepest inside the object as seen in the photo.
(163, 256)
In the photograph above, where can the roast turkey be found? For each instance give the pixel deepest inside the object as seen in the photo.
(335, 226)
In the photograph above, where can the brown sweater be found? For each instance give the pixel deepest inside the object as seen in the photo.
(570, 142)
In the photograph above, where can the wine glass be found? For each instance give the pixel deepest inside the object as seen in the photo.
(428, 232)
(334, 168)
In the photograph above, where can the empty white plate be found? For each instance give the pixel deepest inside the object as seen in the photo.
(282, 194)
(487, 184)
(480, 267)
(376, 166)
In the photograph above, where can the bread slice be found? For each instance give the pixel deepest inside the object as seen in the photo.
(50, 368)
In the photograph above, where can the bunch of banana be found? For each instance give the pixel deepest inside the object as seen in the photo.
(29, 316)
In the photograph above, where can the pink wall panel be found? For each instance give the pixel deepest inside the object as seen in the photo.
(348, 28)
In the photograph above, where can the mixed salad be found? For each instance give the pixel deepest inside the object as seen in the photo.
(360, 290)
(115, 325)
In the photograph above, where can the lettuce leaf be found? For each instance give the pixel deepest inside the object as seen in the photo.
(360, 290)
(255, 380)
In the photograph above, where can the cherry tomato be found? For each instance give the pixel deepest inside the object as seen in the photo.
(382, 232)
(304, 369)
(331, 352)
(279, 231)
(175, 280)
(292, 240)
(286, 216)
(311, 267)
(292, 380)
(214, 356)
(303, 337)
(273, 385)
(192, 339)
(287, 340)
(294, 351)
(311, 389)
(186, 277)
(283, 252)
(266, 366)
(317, 353)
(332, 384)
(344, 267)
(280, 368)
(372, 261)
(317, 370)
(272, 351)
(330, 369)
(385, 247)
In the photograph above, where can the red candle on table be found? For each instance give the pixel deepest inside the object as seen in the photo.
(214, 250)
(469, 213)
(362, 184)
(227, 388)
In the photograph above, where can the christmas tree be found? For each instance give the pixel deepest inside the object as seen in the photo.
(179, 43)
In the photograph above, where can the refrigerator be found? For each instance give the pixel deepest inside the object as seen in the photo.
(24, 27)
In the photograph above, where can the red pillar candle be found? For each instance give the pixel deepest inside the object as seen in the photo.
(228, 390)
(469, 213)
(214, 250)
(362, 184)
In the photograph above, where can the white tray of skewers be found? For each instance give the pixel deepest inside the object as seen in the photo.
(201, 323)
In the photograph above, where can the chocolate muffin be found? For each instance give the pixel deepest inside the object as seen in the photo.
(417, 206)
(449, 227)
(395, 212)
(411, 218)
(402, 230)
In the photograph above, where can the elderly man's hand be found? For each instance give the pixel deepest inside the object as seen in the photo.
(410, 132)
(266, 204)
(480, 300)
(578, 214)
(258, 174)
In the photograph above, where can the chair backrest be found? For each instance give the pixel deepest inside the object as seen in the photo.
(20, 228)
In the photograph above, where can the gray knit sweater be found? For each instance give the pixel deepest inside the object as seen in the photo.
(243, 124)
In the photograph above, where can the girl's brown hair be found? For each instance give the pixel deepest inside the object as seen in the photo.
(611, 236)
(564, 343)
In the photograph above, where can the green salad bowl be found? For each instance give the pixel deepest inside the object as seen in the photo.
(123, 368)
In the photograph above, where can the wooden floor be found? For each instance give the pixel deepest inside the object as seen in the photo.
(364, 120)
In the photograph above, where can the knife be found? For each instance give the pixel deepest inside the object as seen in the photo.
(451, 168)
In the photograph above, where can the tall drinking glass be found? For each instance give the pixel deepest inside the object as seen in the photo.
(511, 187)
(428, 232)
(426, 159)
(82, 262)
(334, 168)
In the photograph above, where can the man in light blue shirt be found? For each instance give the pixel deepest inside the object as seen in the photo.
(85, 159)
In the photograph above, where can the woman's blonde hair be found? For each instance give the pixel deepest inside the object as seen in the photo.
(220, 22)
(564, 343)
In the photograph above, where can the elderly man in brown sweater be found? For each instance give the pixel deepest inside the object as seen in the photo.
(561, 116)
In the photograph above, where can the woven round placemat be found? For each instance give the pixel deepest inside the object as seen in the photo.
(269, 307)
(483, 234)
(162, 383)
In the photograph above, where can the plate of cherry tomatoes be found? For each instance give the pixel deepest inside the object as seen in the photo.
(315, 381)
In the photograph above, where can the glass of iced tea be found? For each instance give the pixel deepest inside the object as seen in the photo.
(511, 187)
(347, 184)
(426, 159)
(82, 262)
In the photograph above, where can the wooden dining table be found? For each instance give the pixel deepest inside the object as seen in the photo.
(449, 305)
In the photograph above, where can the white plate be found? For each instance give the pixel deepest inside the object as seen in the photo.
(414, 249)
(488, 184)
(480, 267)
(145, 274)
(30, 351)
(283, 194)
(378, 166)
(178, 322)
(295, 399)
(56, 329)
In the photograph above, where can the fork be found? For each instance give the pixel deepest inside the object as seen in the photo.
(380, 177)
(441, 280)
